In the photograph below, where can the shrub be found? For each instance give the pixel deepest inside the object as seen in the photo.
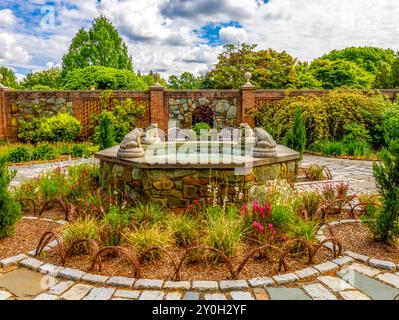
(331, 148)
(147, 213)
(315, 173)
(10, 210)
(146, 237)
(225, 230)
(324, 116)
(357, 148)
(44, 152)
(201, 126)
(62, 127)
(103, 78)
(82, 228)
(203, 114)
(106, 129)
(20, 154)
(185, 229)
(79, 150)
(282, 216)
(296, 135)
(303, 229)
(384, 223)
(123, 115)
(311, 202)
(113, 224)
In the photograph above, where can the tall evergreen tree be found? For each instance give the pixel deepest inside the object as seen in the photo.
(100, 46)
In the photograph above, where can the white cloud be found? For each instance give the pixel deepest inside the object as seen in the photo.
(159, 33)
(233, 35)
(7, 18)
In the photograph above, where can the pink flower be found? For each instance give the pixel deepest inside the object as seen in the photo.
(196, 202)
(270, 226)
(271, 238)
(86, 204)
(283, 237)
(268, 208)
(255, 224)
(262, 212)
(255, 206)
(260, 228)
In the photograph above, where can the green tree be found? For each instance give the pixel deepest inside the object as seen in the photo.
(9, 79)
(384, 223)
(296, 136)
(186, 81)
(100, 46)
(305, 77)
(103, 78)
(269, 68)
(106, 130)
(377, 61)
(341, 73)
(10, 210)
(50, 78)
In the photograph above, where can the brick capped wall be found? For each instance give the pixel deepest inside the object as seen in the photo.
(231, 106)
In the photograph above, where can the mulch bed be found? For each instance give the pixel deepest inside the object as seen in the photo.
(204, 270)
(357, 238)
(26, 237)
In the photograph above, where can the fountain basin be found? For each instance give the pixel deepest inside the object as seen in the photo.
(176, 179)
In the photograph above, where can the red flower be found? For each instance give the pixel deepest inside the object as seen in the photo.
(283, 237)
(196, 202)
(270, 226)
(268, 208)
(255, 206)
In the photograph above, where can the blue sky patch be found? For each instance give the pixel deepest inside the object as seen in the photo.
(210, 32)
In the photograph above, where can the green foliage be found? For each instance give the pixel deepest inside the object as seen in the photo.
(106, 129)
(185, 229)
(10, 210)
(377, 61)
(384, 223)
(315, 173)
(100, 46)
(20, 154)
(9, 78)
(341, 73)
(311, 202)
(80, 150)
(147, 213)
(146, 237)
(324, 116)
(82, 228)
(282, 216)
(357, 148)
(44, 152)
(296, 136)
(201, 126)
(123, 115)
(186, 81)
(225, 230)
(61, 127)
(331, 148)
(43, 80)
(269, 68)
(103, 78)
(113, 225)
(303, 229)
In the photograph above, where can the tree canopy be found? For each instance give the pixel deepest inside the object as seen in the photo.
(101, 45)
(9, 79)
(50, 79)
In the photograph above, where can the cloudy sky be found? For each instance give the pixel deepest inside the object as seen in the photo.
(172, 36)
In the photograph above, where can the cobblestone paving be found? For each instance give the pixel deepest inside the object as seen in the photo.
(351, 282)
(358, 173)
(25, 172)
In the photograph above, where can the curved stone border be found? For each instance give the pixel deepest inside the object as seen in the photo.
(307, 273)
(377, 263)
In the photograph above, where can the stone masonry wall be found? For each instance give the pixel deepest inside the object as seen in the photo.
(177, 188)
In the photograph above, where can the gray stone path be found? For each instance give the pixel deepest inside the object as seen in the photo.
(25, 172)
(357, 173)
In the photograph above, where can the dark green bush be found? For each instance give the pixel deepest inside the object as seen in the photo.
(296, 135)
(106, 131)
(79, 150)
(331, 148)
(10, 210)
(20, 154)
(384, 223)
(44, 152)
(103, 78)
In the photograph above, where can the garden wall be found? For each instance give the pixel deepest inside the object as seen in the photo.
(231, 107)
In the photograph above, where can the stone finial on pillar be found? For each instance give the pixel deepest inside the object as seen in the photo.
(248, 98)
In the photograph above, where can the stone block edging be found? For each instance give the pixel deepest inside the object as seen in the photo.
(198, 285)
(370, 261)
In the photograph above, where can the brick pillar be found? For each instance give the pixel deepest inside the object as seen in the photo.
(158, 112)
(4, 134)
(248, 103)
